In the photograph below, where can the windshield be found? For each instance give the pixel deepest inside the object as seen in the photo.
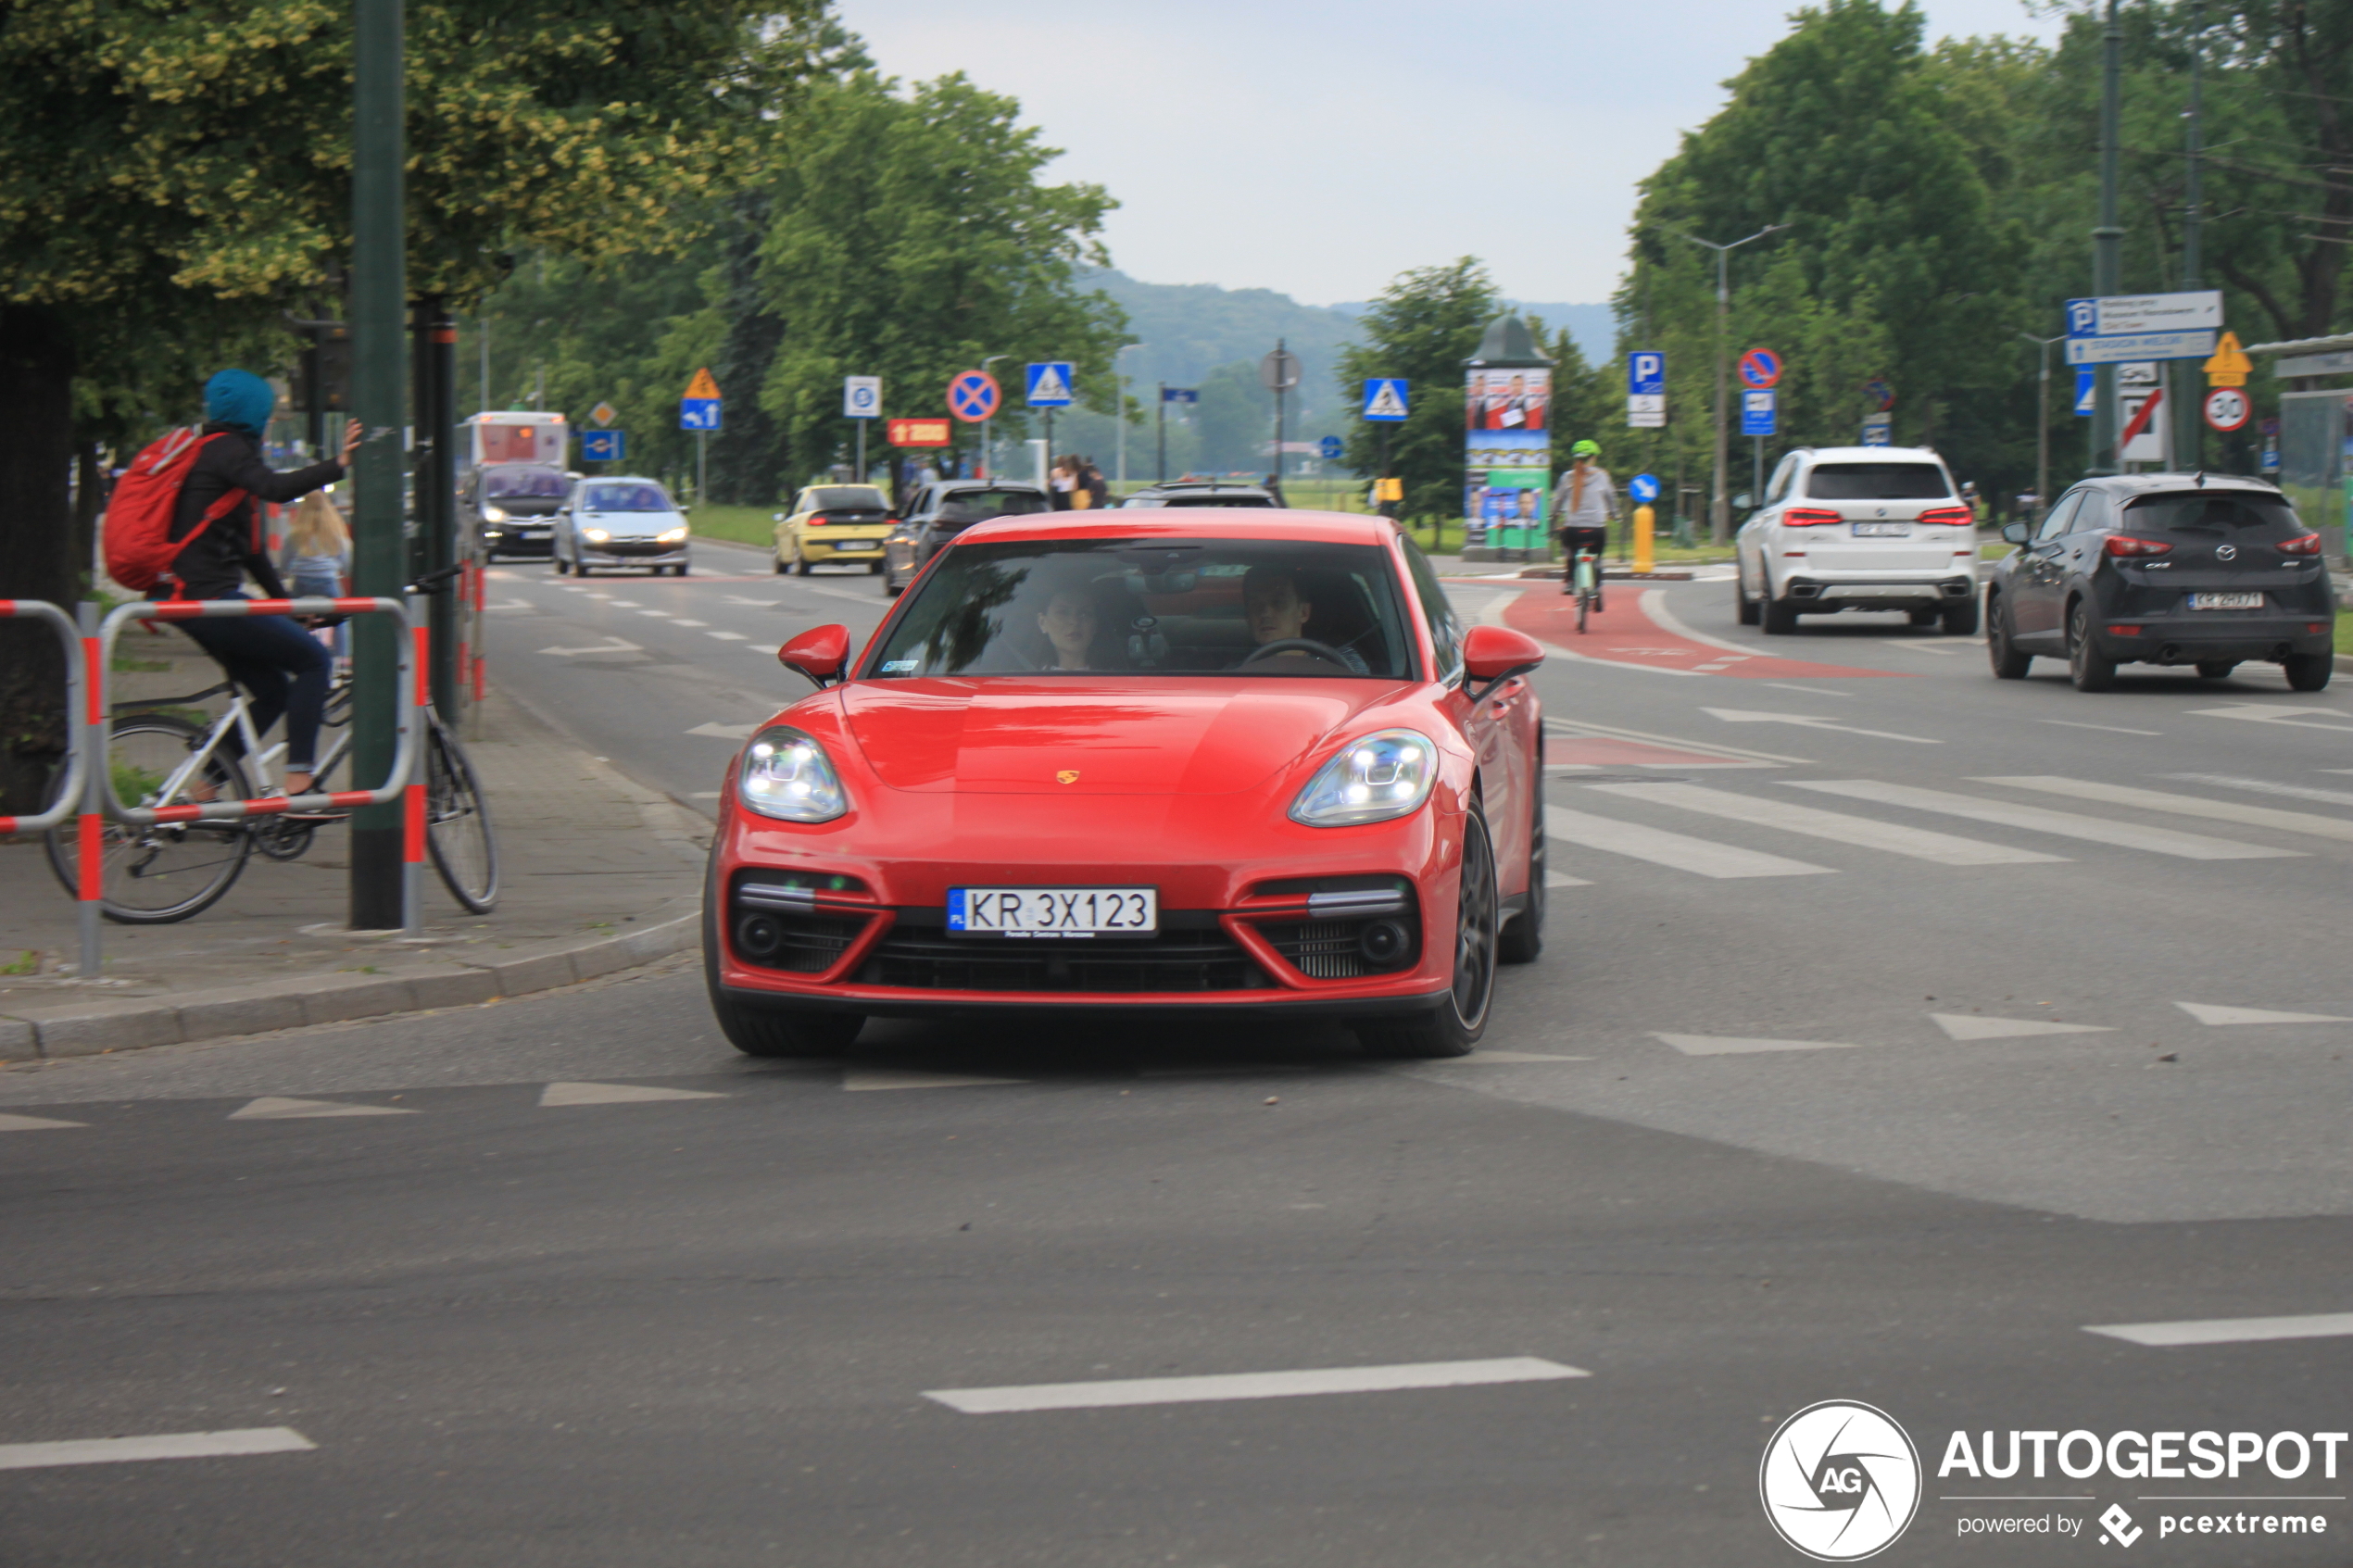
(848, 498)
(2223, 513)
(1160, 607)
(1878, 482)
(979, 506)
(522, 483)
(625, 498)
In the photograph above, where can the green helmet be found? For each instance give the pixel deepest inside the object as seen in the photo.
(1585, 449)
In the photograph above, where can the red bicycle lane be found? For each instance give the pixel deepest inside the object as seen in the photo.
(1626, 632)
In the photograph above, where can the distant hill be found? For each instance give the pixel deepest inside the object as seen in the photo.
(1592, 326)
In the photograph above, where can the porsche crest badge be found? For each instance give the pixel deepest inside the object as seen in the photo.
(1068, 775)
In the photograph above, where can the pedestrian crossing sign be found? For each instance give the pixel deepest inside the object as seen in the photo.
(1050, 384)
(1385, 399)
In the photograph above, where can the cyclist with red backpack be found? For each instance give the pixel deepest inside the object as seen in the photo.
(210, 540)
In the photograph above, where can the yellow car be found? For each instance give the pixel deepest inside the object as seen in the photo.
(833, 522)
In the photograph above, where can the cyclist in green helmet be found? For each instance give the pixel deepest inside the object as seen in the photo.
(1583, 499)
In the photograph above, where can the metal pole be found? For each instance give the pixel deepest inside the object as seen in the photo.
(1279, 352)
(379, 294)
(1719, 511)
(90, 826)
(862, 460)
(1161, 429)
(483, 407)
(436, 466)
(2043, 436)
(2189, 432)
(989, 427)
(2108, 240)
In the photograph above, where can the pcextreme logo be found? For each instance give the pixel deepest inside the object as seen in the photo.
(1840, 1480)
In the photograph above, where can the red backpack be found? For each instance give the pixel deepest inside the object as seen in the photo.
(141, 551)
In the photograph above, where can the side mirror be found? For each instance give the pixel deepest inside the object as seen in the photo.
(1497, 653)
(777, 517)
(821, 653)
(2014, 532)
(1741, 502)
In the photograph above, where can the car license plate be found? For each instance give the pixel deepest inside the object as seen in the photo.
(2226, 601)
(1883, 531)
(857, 544)
(1053, 911)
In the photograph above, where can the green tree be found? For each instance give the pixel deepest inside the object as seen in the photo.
(1422, 327)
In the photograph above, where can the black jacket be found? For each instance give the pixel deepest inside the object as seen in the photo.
(214, 565)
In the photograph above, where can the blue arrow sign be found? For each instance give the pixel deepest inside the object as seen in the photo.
(1050, 384)
(1179, 394)
(699, 413)
(1330, 447)
(1388, 400)
(603, 445)
(1644, 488)
(1758, 413)
(2086, 388)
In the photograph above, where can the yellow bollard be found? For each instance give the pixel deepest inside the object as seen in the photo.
(1644, 558)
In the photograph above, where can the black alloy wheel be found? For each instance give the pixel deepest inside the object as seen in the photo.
(2090, 670)
(1455, 1025)
(2001, 643)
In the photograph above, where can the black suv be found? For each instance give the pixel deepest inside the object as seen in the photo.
(2171, 568)
(942, 511)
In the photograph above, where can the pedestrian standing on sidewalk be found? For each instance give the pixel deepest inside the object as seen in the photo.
(1097, 489)
(1584, 500)
(318, 559)
(1064, 480)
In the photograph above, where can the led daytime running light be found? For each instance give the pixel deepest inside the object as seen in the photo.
(1372, 780)
(788, 776)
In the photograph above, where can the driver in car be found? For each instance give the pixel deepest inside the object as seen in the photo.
(1277, 613)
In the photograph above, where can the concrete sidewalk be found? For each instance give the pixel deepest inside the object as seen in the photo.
(596, 874)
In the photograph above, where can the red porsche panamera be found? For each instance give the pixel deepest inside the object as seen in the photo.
(1181, 759)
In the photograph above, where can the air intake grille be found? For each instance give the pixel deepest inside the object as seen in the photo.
(920, 958)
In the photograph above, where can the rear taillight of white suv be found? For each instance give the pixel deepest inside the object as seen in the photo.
(1948, 517)
(1809, 516)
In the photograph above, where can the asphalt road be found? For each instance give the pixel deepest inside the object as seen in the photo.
(1857, 1068)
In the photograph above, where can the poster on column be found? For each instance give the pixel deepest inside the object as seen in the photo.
(1506, 455)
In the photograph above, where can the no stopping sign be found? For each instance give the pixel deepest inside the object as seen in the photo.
(2227, 407)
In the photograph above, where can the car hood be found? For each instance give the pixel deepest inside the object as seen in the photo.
(1072, 736)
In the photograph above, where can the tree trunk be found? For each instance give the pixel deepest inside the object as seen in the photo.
(36, 544)
(89, 500)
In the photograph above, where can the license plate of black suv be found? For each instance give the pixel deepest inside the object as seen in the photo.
(2226, 601)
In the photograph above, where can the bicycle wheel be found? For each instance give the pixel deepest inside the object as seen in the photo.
(457, 831)
(158, 874)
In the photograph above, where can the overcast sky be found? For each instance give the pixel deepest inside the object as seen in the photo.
(1319, 150)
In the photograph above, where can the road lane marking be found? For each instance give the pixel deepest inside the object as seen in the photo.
(1504, 1059)
(1704, 856)
(764, 604)
(1810, 721)
(724, 732)
(2265, 786)
(1562, 879)
(1112, 1393)
(612, 645)
(1910, 645)
(2265, 713)
(620, 604)
(2035, 819)
(681, 620)
(1731, 1045)
(2221, 1017)
(33, 1123)
(727, 636)
(2184, 805)
(272, 1107)
(657, 614)
(1809, 691)
(615, 1094)
(1585, 728)
(1837, 826)
(893, 1078)
(1975, 1026)
(174, 1445)
(2228, 1331)
(2111, 728)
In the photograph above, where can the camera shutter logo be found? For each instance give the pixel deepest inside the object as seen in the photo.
(1841, 1481)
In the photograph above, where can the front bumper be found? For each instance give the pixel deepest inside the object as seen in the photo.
(843, 546)
(617, 552)
(518, 539)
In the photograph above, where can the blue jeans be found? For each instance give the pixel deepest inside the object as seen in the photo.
(324, 583)
(281, 667)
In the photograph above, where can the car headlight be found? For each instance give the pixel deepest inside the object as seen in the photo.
(493, 514)
(786, 775)
(595, 536)
(1380, 776)
(675, 536)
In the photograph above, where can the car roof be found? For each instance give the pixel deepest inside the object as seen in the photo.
(988, 485)
(1182, 522)
(1873, 454)
(615, 478)
(1206, 484)
(2143, 483)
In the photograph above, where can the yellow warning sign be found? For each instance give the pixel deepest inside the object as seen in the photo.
(702, 385)
(1389, 489)
(2229, 365)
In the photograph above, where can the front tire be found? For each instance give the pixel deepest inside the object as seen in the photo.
(799, 564)
(1748, 608)
(2090, 669)
(1455, 1025)
(2001, 645)
(1780, 616)
(2309, 671)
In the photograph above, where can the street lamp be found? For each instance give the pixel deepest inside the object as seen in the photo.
(987, 443)
(1119, 404)
(1720, 520)
(2043, 423)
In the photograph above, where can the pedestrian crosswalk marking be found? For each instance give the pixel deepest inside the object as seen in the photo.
(2036, 819)
(33, 1123)
(2207, 1013)
(616, 1094)
(1837, 826)
(1973, 1026)
(1561, 879)
(2266, 787)
(891, 1078)
(1704, 856)
(2187, 805)
(1723, 1045)
(273, 1108)
(2227, 1331)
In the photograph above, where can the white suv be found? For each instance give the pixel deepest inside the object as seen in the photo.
(1859, 528)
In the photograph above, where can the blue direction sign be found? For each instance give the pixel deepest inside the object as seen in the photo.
(973, 395)
(699, 413)
(603, 445)
(1643, 488)
(1760, 368)
(1387, 398)
(1050, 384)
(1179, 394)
(1758, 413)
(2087, 389)
(1330, 447)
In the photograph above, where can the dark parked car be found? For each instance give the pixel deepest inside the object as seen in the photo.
(2167, 569)
(944, 509)
(514, 506)
(1202, 493)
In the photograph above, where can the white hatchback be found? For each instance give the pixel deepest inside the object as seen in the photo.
(620, 521)
(1877, 528)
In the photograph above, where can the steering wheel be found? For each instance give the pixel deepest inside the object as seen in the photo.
(1294, 644)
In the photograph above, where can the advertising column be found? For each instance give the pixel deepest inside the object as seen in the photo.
(1507, 459)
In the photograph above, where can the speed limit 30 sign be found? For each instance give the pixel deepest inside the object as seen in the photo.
(2227, 408)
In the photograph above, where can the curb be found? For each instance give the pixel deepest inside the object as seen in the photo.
(89, 1028)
